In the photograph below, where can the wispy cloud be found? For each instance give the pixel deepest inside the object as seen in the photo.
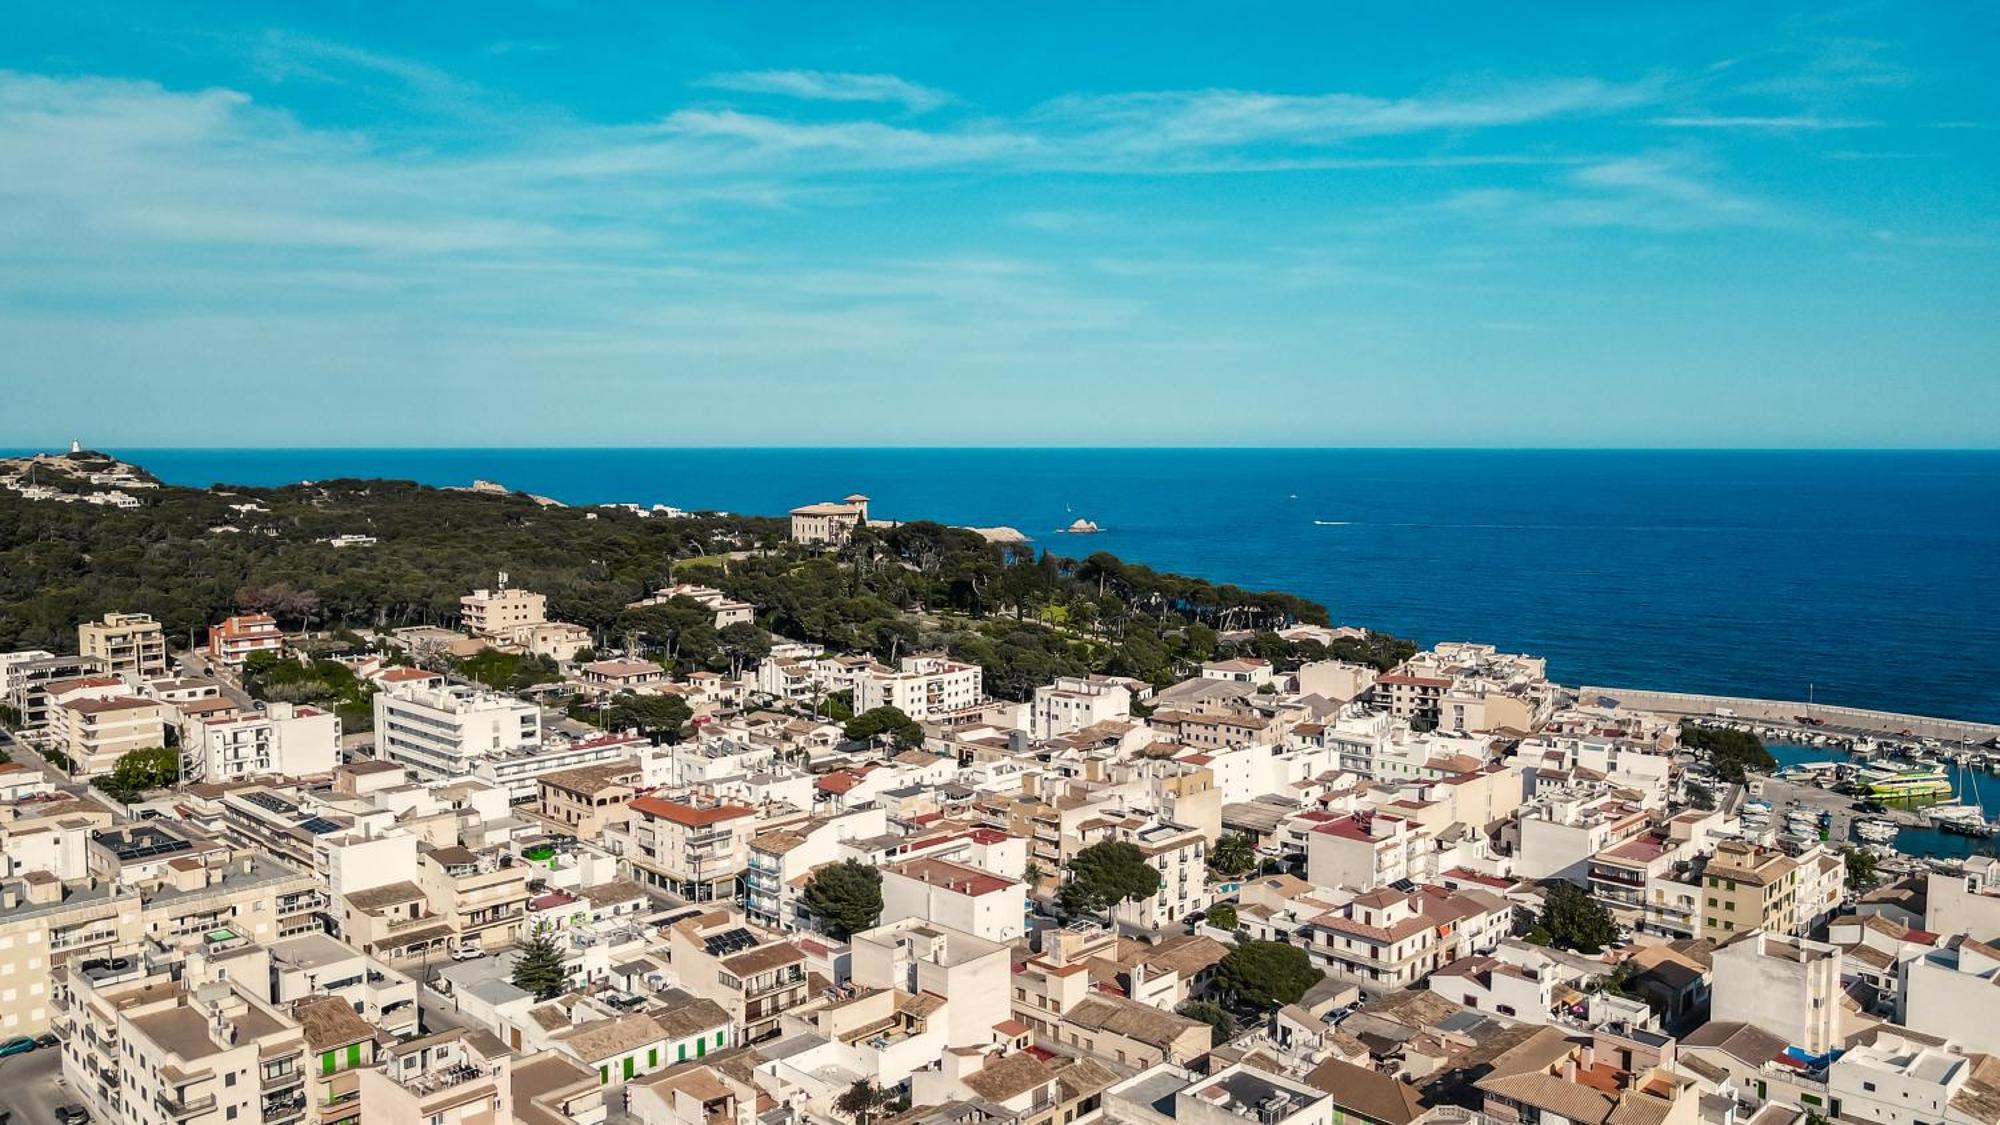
(831, 86)
(1794, 121)
(1220, 118)
(1657, 192)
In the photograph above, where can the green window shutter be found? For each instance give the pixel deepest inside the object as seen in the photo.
(718, 1037)
(652, 1057)
(700, 1047)
(628, 1066)
(603, 1075)
(326, 1063)
(354, 1054)
(683, 1056)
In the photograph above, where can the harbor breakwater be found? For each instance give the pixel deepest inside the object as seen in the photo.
(1831, 719)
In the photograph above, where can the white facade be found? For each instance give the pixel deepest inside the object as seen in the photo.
(1787, 986)
(440, 732)
(965, 898)
(283, 739)
(926, 688)
(1072, 703)
(1954, 994)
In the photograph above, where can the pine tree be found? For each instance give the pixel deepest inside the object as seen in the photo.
(540, 968)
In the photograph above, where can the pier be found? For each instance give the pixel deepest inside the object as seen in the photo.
(1847, 722)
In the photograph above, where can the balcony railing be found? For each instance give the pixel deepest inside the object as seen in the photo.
(180, 1109)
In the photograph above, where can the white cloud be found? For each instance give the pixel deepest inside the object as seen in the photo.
(1780, 122)
(831, 86)
(1220, 118)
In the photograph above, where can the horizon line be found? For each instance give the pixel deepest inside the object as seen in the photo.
(25, 450)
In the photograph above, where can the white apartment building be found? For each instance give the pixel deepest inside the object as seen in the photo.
(1965, 904)
(917, 956)
(1252, 670)
(284, 739)
(1072, 703)
(132, 645)
(1362, 852)
(780, 859)
(440, 732)
(1177, 852)
(926, 688)
(497, 613)
(957, 895)
(1899, 1080)
(1954, 993)
(1388, 940)
(1787, 986)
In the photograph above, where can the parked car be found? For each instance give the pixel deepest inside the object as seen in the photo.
(467, 953)
(18, 1045)
(72, 1114)
(47, 1039)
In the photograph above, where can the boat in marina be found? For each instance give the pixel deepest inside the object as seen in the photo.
(1941, 815)
(1904, 781)
(1876, 830)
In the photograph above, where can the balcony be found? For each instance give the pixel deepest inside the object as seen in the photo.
(180, 1109)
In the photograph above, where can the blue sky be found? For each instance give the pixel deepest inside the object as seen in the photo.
(814, 224)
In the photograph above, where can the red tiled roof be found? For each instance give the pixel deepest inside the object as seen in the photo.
(957, 877)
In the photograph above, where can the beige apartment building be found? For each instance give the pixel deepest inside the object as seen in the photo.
(95, 733)
(339, 1044)
(44, 924)
(581, 802)
(753, 975)
(132, 645)
(1746, 887)
(695, 851)
(454, 1077)
(480, 897)
(495, 614)
(193, 1051)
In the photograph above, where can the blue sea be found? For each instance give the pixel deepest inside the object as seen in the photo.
(1874, 577)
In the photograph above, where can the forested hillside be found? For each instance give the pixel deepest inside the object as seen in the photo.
(1025, 616)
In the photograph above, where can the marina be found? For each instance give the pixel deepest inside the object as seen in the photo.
(1957, 819)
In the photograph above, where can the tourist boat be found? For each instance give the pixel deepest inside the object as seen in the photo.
(1941, 815)
(1876, 830)
(1904, 782)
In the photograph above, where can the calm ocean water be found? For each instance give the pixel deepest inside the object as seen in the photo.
(1873, 576)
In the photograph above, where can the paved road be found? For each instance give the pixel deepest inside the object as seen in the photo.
(28, 1086)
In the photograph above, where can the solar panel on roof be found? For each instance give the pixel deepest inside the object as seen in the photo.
(271, 803)
(319, 825)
